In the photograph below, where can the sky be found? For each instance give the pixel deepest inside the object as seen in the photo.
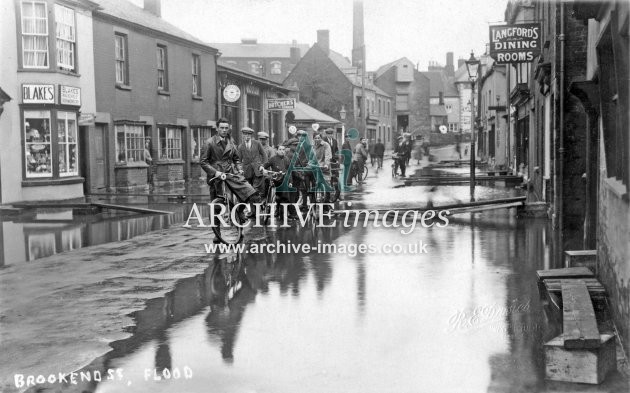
(421, 30)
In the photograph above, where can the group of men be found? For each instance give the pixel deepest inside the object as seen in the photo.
(249, 162)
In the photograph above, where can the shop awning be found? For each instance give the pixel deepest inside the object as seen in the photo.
(307, 114)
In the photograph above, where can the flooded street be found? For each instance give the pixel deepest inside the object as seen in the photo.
(465, 316)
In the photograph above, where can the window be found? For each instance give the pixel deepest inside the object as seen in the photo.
(43, 141)
(34, 34)
(276, 68)
(254, 67)
(449, 108)
(67, 140)
(129, 143)
(453, 127)
(198, 137)
(162, 68)
(122, 71)
(170, 143)
(389, 113)
(253, 112)
(65, 34)
(196, 75)
(38, 145)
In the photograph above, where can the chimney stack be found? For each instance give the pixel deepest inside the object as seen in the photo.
(323, 40)
(441, 102)
(358, 41)
(154, 7)
(450, 68)
(295, 55)
(460, 63)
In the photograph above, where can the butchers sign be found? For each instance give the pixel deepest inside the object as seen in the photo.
(279, 104)
(511, 44)
(69, 95)
(38, 94)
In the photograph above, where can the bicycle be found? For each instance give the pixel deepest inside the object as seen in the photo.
(270, 197)
(334, 181)
(395, 165)
(359, 176)
(230, 233)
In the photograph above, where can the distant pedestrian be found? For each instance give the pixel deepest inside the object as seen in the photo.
(403, 149)
(263, 137)
(379, 152)
(149, 161)
(371, 151)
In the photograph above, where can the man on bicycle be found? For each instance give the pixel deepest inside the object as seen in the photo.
(359, 156)
(221, 157)
(321, 158)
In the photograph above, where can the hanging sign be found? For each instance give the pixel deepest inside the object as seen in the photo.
(279, 104)
(511, 44)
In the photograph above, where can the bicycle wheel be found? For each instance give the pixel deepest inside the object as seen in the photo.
(223, 227)
(394, 170)
(334, 196)
(365, 172)
(270, 200)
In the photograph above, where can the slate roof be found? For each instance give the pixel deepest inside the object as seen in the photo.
(382, 69)
(258, 50)
(306, 113)
(437, 110)
(440, 83)
(222, 65)
(129, 12)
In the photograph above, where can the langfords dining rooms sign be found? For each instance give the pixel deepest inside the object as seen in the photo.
(515, 43)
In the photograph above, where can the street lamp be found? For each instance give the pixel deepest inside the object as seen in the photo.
(342, 117)
(472, 65)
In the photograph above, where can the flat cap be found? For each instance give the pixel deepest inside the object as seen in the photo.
(263, 134)
(302, 132)
(247, 130)
(329, 131)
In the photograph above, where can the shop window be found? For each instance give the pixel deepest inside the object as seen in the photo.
(162, 68)
(170, 143)
(198, 138)
(67, 140)
(276, 68)
(129, 143)
(65, 35)
(122, 70)
(38, 144)
(34, 34)
(196, 75)
(453, 127)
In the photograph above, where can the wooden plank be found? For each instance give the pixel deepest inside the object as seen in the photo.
(475, 209)
(571, 272)
(579, 327)
(555, 285)
(129, 208)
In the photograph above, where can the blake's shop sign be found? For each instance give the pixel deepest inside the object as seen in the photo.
(511, 44)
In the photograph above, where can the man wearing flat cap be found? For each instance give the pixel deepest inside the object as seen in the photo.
(263, 138)
(332, 141)
(252, 156)
(220, 156)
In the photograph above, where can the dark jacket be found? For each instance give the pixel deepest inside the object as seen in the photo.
(334, 145)
(252, 158)
(379, 149)
(403, 149)
(220, 158)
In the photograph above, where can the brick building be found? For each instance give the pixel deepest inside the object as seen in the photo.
(492, 132)
(272, 61)
(603, 93)
(410, 92)
(153, 82)
(329, 82)
(47, 82)
(443, 91)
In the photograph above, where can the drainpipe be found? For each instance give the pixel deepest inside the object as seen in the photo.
(560, 174)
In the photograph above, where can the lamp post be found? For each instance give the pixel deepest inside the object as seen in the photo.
(342, 117)
(472, 65)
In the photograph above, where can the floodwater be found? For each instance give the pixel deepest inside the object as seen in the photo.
(465, 316)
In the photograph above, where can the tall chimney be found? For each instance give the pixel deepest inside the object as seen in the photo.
(450, 69)
(358, 42)
(441, 102)
(294, 54)
(323, 40)
(154, 7)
